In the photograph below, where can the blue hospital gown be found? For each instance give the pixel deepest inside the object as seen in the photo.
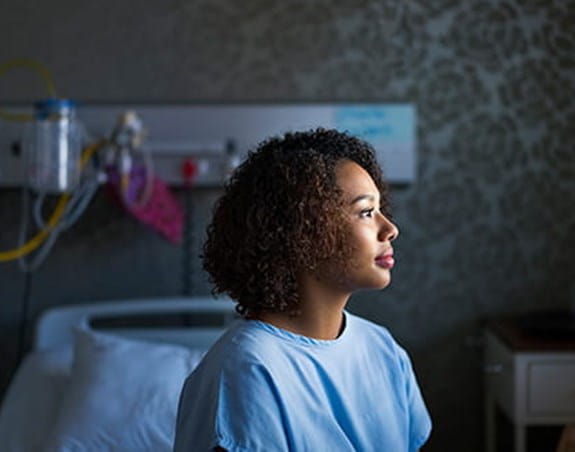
(262, 388)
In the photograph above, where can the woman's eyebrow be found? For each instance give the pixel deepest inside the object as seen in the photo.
(362, 197)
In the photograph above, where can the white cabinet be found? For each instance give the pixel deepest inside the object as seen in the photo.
(531, 379)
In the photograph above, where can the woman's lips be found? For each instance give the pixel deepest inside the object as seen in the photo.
(387, 261)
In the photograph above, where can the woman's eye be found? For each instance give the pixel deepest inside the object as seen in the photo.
(367, 213)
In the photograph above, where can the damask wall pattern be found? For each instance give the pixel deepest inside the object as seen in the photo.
(488, 226)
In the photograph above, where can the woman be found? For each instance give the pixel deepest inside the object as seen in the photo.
(303, 223)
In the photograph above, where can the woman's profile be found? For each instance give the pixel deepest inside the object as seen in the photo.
(303, 223)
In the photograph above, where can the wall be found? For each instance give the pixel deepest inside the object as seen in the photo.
(487, 228)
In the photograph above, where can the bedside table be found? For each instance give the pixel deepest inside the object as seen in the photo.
(530, 377)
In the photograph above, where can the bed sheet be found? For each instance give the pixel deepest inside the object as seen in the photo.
(31, 403)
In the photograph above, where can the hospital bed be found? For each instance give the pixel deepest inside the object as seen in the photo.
(107, 376)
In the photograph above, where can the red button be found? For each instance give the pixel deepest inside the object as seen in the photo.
(189, 170)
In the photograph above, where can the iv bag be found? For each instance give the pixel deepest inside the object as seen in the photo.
(54, 147)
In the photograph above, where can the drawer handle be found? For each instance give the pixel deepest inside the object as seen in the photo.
(493, 369)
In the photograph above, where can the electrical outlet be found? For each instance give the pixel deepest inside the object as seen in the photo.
(12, 153)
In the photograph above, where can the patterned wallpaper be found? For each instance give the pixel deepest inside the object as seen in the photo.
(488, 227)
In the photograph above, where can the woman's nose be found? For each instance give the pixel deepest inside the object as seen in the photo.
(388, 231)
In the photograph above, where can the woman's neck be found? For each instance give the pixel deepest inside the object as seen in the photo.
(320, 313)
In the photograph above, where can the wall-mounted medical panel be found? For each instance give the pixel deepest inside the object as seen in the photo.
(177, 132)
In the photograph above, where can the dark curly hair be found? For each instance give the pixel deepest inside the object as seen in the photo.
(281, 214)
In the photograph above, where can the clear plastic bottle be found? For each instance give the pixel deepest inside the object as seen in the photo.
(55, 146)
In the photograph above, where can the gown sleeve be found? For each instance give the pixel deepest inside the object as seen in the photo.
(239, 410)
(250, 411)
(420, 421)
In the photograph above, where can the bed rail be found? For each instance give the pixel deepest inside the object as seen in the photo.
(56, 325)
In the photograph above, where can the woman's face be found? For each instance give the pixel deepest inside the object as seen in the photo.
(370, 234)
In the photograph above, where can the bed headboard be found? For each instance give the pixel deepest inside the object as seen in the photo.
(56, 325)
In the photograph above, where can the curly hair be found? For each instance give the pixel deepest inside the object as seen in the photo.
(281, 214)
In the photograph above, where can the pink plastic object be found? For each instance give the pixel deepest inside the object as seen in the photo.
(161, 210)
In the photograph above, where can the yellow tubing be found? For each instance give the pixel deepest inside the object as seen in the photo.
(37, 67)
(37, 240)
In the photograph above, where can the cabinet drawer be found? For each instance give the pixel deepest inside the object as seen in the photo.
(551, 388)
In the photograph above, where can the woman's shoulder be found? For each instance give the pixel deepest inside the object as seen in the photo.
(243, 344)
(375, 336)
(363, 327)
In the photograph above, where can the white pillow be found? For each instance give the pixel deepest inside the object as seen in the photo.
(123, 394)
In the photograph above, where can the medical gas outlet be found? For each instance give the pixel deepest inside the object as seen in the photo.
(199, 166)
